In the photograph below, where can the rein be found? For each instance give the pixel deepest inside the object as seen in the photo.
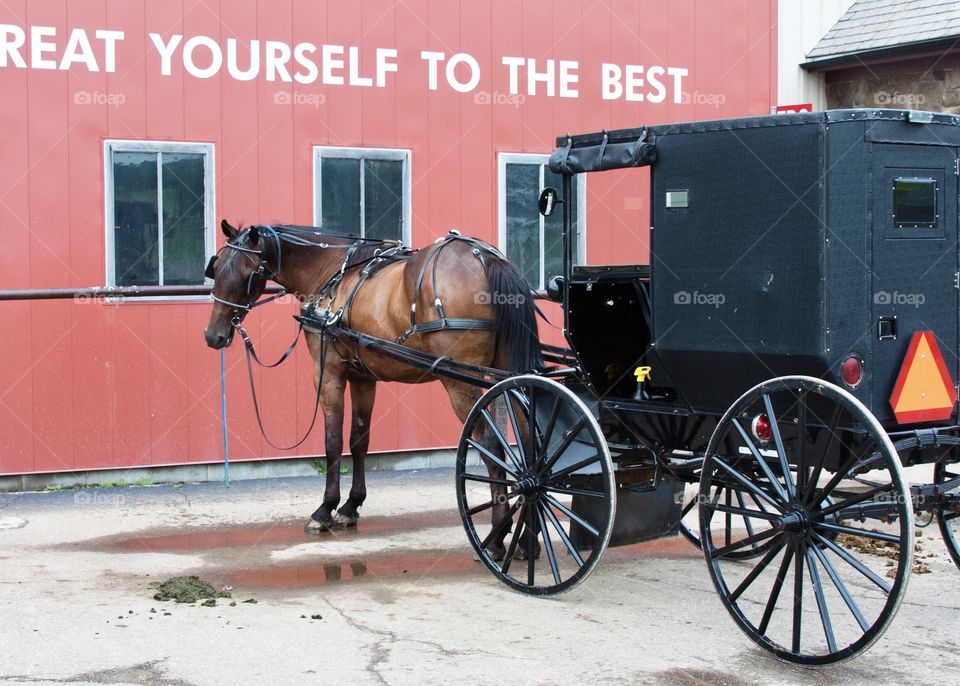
(240, 311)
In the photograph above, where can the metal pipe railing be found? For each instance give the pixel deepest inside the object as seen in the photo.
(111, 292)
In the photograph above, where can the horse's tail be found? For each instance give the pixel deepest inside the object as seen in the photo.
(517, 343)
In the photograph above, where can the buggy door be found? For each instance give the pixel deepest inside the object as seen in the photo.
(915, 259)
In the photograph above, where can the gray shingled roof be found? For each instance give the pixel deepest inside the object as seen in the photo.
(871, 25)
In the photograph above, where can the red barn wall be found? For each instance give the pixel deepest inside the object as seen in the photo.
(87, 385)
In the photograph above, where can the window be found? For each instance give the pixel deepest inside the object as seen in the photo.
(362, 191)
(159, 212)
(914, 203)
(531, 241)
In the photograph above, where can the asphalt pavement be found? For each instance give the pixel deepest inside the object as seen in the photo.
(398, 600)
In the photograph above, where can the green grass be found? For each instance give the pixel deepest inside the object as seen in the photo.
(320, 464)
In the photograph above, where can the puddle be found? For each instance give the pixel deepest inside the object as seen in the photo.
(440, 564)
(281, 533)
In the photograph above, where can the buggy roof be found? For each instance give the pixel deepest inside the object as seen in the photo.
(636, 147)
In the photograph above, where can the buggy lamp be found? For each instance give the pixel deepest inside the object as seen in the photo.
(852, 371)
(761, 429)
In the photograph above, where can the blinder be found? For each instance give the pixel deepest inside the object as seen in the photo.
(209, 271)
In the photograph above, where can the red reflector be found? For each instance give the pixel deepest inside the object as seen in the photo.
(852, 371)
(761, 429)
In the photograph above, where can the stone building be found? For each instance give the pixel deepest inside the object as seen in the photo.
(902, 54)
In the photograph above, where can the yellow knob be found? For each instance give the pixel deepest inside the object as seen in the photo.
(642, 374)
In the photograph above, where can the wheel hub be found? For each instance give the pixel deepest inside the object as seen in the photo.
(795, 521)
(527, 486)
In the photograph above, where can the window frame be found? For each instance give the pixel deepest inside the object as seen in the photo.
(403, 155)
(208, 151)
(580, 184)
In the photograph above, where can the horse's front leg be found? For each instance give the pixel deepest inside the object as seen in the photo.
(331, 400)
(362, 395)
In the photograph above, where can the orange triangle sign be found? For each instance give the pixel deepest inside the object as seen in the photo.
(924, 390)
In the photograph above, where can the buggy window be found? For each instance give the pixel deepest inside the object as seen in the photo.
(914, 203)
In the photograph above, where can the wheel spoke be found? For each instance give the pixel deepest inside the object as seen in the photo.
(761, 460)
(492, 457)
(551, 423)
(477, 509)
(548, 546)
(746, 483)
(775, 589)
(531, 547)
(574, 553)
(512, 414)
(501, 525)
(504, 443)
(743, 512)
(742, 543)
(746, 518)
(756, 571)
(801, 445)
(574, 517)
(853, 500)
(846, 470)
(564, 444)
(818, 469)
(841, 588)
(781, 451)
(567, 471)
(821, 602)
(797, 597)
(950, 516)
(854, 531)
(486, 479)
(854, 562)
(576, 491)
(514, 541)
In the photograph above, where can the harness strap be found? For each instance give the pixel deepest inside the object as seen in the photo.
(248, 344)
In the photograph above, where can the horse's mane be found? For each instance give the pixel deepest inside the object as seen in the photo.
(366, 248)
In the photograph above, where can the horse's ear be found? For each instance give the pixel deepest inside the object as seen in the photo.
(254, 235)
(228, 230)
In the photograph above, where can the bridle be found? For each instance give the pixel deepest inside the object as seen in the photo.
(257, 277)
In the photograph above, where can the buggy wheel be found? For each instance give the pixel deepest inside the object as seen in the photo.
(828, 585)
(537, 505)
(948, 509)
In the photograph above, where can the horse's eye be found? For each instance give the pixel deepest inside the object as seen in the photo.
(208, 272)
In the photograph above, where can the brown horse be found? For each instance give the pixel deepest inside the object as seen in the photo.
(458, 298)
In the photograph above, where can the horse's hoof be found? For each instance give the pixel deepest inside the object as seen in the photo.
(314, 527)
(344, 520)
(496, 553)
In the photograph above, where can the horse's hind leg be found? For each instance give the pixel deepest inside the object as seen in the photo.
(331, 399)
(463, 397)
(362, 395)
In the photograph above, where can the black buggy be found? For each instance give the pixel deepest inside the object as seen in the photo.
(791, 347)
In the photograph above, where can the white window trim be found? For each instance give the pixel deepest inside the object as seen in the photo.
(209, 196)
(404, 155)
(580, 184)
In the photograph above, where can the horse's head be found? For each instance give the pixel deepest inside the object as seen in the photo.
(239, 272)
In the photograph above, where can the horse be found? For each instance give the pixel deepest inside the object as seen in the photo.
(459, 299)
